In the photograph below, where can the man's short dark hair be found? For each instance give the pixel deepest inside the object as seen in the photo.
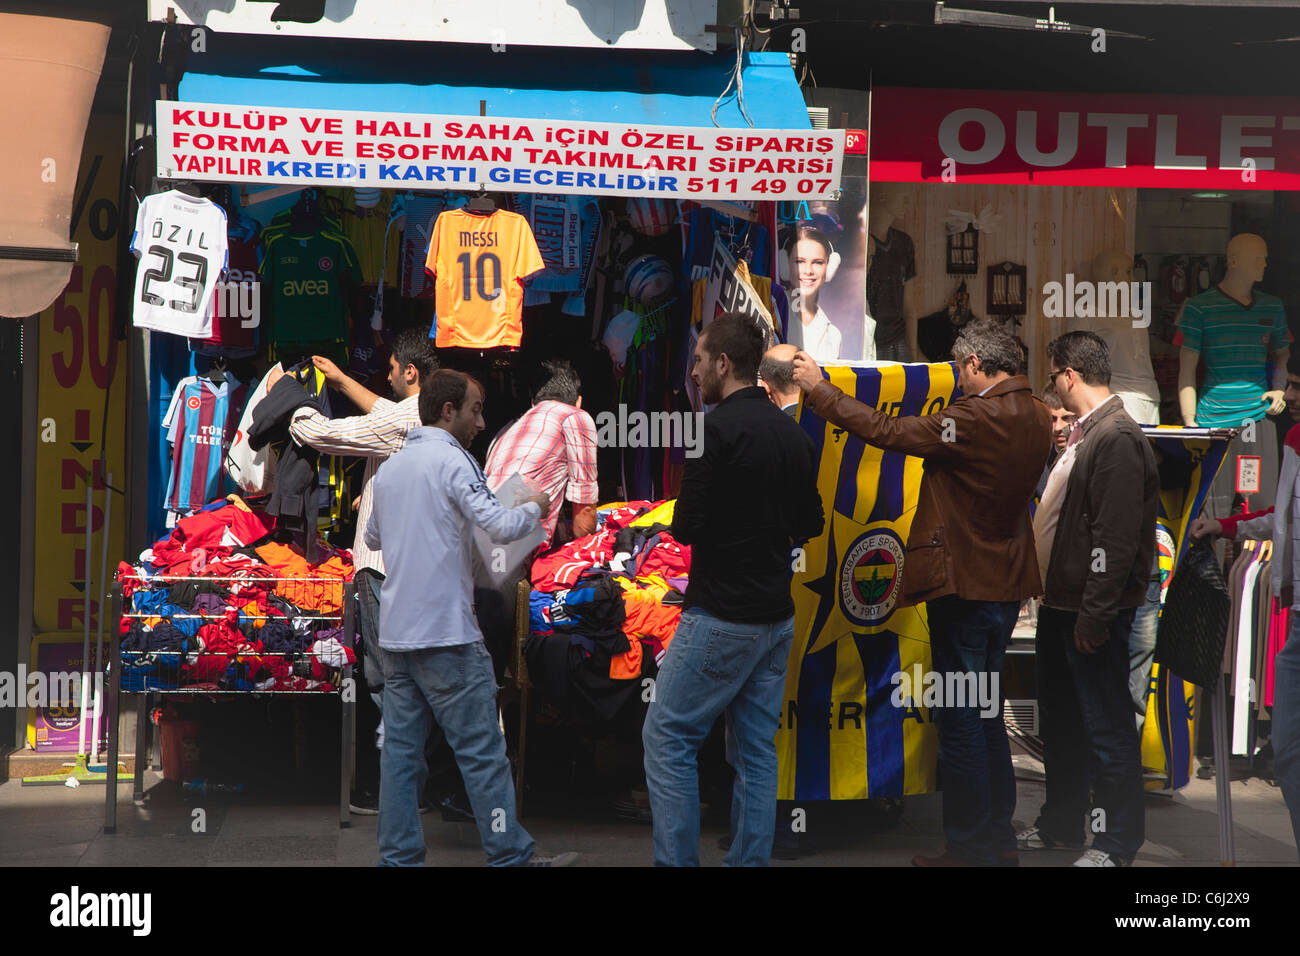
(445, 385)
(737, 336)
(1293, 363)
(1051, 398)
(1084, 352)
(559, 382)
(414, 347)
(776, 373)
(990, 342)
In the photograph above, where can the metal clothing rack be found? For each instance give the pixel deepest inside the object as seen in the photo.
(346, 617)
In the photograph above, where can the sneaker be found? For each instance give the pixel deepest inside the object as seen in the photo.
(1036, 839)
(364, 803)
(1094, 857)
(558, 859)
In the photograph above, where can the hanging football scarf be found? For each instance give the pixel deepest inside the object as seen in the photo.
(840, 736)
(1167, 730)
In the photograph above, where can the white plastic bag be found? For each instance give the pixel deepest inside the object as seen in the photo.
(252, 471)
(499, 565)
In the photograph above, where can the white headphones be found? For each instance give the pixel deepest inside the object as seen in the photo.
(832, 261)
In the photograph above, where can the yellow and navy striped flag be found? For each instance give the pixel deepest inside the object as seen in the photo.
(840, 737)
(1194, 456)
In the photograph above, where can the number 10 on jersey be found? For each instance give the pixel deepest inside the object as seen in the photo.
(475, 278)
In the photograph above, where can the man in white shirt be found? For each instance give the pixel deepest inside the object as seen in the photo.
(427, 498)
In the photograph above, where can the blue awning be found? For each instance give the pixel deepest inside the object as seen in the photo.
(609, 86)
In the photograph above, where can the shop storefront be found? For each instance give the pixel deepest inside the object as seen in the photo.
(1113, 213)
(653, 203)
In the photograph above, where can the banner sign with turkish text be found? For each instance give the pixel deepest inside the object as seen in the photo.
(317, 147)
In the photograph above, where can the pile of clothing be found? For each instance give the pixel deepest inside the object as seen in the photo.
(604, 608)
(249, 615)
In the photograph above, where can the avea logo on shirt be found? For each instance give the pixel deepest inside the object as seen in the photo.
(292, 287)
(478, 239)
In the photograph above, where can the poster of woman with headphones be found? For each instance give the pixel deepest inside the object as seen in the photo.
(824, 274)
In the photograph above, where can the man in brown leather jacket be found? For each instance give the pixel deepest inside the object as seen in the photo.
(1096, 532)
(970, 556)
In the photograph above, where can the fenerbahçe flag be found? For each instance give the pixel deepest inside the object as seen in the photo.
(840, 738)
(1191, 459)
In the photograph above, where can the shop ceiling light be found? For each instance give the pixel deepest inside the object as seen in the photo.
(1210, 195)
(950, 16)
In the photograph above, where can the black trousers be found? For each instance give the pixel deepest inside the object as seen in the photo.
(1085, 713)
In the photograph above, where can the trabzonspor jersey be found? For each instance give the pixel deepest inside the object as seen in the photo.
(181, 243)
(480, 263)
(201, 423)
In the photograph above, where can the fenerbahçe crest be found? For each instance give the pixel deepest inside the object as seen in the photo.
(870, 577)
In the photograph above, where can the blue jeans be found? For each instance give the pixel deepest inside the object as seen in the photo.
(1286, 721)
(1086, 716)
(458, 685)
(979, 784)
(369, 582)
(715, 666)
(1142, 645)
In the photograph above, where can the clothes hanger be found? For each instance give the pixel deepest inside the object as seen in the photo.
(306, 215)
(482, 204)
(217, 371)
(187, 187)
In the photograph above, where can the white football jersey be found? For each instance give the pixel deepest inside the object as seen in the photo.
(181, 243)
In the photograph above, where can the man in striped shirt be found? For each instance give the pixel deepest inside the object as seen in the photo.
(553, 446)
(374, 435)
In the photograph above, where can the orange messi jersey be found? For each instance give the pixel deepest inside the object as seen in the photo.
(480, 263)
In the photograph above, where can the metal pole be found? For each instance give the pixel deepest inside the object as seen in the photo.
(99, 634)
(1222, 773)
(114, 685)
(85, 618)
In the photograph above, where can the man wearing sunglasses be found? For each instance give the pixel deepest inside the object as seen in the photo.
(1095, 536)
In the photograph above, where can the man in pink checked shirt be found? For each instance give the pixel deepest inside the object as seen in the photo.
(553, 447)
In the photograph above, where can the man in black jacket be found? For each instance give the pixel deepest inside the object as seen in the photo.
(745, 505)
(1095, 536)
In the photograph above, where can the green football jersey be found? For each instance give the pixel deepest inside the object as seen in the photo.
(306, 275)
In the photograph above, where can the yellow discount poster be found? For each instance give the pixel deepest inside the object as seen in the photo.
(80, 358)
